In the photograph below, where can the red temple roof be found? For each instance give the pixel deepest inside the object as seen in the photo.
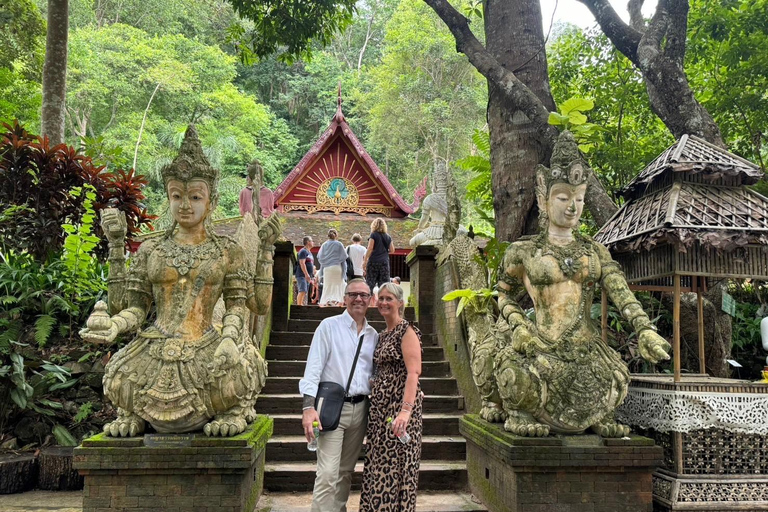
(338, 175)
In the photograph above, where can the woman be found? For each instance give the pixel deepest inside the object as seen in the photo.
(333, 265)
(376, 261)
(357, 253)
(391, 472)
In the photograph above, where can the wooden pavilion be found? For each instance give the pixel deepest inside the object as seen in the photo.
(689, 221)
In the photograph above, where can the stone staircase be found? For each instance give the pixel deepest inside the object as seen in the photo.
(290, 467)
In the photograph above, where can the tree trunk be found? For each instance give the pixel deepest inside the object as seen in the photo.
(515, 38)
(55, 71)
(18, 473)
(521, 137)
(56, 473)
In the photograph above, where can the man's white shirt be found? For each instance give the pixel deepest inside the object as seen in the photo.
(357, 254)
(331, 354)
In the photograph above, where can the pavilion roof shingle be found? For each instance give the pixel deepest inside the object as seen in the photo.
(693, 155)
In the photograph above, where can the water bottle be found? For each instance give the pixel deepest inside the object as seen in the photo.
(404, 438)
(312, 445)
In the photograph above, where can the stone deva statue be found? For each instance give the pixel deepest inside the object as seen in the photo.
(555, 374)
(434, 210)
(179, 373)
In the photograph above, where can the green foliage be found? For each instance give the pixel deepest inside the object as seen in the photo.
(584, 64)
(36, 181)
(83, 412)
(479, 188)
(571, 117)
(289, 27)
(728, 69)
(423, 101)
(483, 299)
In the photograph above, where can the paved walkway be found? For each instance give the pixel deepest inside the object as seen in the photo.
(72, 501)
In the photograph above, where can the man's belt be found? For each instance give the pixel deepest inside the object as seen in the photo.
(355, 399)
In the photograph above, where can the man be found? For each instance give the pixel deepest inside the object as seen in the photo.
(305, 270)
(356, 253)
(330, 359)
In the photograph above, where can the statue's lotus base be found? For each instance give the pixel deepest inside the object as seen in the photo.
(186, 473)
(583, 473)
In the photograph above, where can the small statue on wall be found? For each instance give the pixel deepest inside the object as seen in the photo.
(434, 210)
(555, 374)
(180, 374)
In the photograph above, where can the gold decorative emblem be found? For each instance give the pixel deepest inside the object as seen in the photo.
(337, 194)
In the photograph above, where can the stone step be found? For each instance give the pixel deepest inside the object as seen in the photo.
(426, 501)
(301, 352)
(291, 403)
(311, 325)
(290, 338)
(296, 368)
(437, 424)
(430, 385)
(318, 313)
(294, 448)
(434, 475)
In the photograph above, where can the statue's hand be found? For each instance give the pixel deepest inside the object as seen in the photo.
(100, 337)
(653, 348)
(99, 328)
(226, 355)
(523, 340)
(270, 229)
(113, 224)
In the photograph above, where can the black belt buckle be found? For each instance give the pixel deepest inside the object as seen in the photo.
(354, 399)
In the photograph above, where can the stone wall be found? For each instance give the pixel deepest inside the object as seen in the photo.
(452, 335)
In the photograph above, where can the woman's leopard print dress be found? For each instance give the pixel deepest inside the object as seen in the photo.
(391, 471)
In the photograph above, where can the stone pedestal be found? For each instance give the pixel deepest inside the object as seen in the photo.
(182, 473)
(584, 473)
(421, 264)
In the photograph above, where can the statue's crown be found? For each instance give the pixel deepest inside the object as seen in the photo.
(191, 163)
(566, 164)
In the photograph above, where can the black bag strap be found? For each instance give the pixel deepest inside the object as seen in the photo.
(354, 364)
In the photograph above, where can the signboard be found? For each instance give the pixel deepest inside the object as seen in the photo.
(729, 304)
(168, 440)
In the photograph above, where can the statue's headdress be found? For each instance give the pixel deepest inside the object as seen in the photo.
(191, 164)
(566, 166)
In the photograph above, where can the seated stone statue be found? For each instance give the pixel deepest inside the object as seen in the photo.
(181, 374)
(556, 374)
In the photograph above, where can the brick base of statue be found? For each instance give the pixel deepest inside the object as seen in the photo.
(584, 473)
(179, 472)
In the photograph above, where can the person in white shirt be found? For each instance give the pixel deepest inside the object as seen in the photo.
(356, 253)
(330, 359)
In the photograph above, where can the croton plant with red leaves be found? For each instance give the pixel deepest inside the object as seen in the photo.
(35, 183)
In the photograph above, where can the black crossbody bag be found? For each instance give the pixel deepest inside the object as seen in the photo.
(330, 397)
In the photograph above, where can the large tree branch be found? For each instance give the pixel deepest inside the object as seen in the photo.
(677, 29)
(636, 20)
(518, 94)
(624, 37)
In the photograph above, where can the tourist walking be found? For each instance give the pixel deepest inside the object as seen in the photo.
(305, 270)
(331, 359)
(376, 261)
(356, 253)
(333, 266)
(391, 472)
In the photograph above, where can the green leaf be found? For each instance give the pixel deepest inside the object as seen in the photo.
(455, 294)
(556, 119)
(19, 398)
(63, 385)
(576, 104)
(43, 328)
(63, 437)
(577, 118)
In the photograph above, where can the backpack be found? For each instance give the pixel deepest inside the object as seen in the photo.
(350, 267)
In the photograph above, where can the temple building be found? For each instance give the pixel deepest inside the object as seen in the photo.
(338, 185)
